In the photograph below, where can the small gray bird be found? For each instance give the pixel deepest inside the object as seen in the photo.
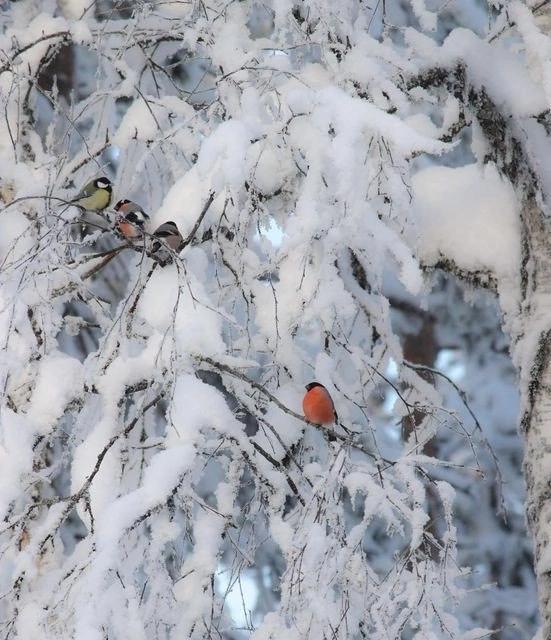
(95, 196)
(168, 232)
(131, 219)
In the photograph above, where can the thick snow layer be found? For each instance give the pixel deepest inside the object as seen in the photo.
(15, 456)
(492, 66)
(223, 154)
(73, 9)
(80, 32)
(183, 307)
(427, 19)
(538, 47)
(352, 115)
(185, 200)
(15, 241)
(59, 380)
(34, 31)
(149, 117)
(469, 215)
(197, 406)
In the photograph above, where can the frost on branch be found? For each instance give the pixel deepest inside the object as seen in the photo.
(155, 460)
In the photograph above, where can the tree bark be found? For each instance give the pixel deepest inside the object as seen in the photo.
(528, 318)
(531, 351)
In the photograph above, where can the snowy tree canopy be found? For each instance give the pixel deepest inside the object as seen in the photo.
(324, 162)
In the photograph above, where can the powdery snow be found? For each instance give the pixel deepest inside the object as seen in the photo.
(150, 461)
(469, 215)
(59, 379)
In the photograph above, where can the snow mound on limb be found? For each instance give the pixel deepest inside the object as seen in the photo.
(468, 215)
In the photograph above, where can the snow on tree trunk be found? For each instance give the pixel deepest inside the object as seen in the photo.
(531, 350)
(512, 256)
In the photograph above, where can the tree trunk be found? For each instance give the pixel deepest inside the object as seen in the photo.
(531, 351)
(527, 318)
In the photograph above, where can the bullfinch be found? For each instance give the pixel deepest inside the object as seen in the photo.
(168, 232)
(131, 219)
(318, 405)
(94, 196)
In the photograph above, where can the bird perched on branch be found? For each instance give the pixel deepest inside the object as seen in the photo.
(131, 219)
(319, 409)
(164, 242)
(94, 196)
(318, 405)
(169, 234)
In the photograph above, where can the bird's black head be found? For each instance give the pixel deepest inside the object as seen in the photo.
(103, 183)
(313, 385)
(133, 218)
(120, 204)
(167, 229)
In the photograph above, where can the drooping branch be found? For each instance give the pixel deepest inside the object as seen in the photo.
(476, 278)
(505, 148)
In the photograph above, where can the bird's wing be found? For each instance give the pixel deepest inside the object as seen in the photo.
(165, 230)
(86, 192)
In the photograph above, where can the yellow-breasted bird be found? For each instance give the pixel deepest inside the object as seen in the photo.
(95, 196)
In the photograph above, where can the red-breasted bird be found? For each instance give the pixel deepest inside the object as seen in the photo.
(131, 219)
(318, 405)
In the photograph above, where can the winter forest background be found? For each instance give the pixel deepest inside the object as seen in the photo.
(380, 223)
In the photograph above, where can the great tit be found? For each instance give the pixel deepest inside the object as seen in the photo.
(131, 219)
(95, 196)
